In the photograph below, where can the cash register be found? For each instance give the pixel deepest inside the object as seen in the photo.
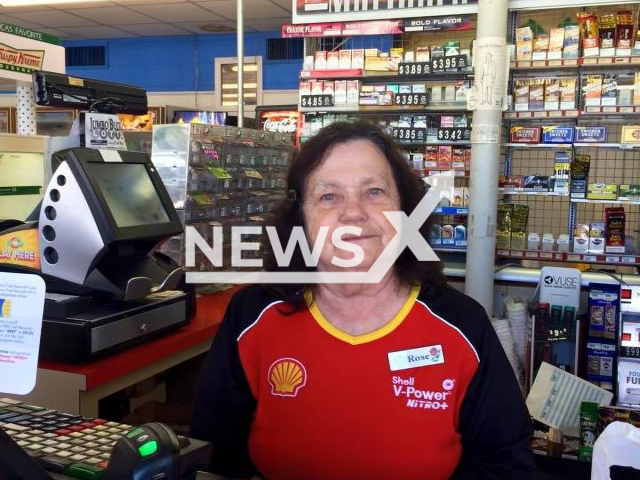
(92, 239)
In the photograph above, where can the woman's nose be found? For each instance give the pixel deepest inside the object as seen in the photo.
(353, 211)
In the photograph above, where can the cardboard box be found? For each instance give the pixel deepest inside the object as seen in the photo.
(609, 90)
(519, 134)
(458, 162)
(353, 89)
(340, 95)
(396, 54)
(556, 43)
(615, 219)
(571, 41)
(422, 54)
(345, 60)
(552, 94)
(581, 238)
(431, 158)
(511, 182)
(445, 157)
(305, 88)
(379, 64)
(593, 90)
(521, 95)
(537, 183)
(602, 191)
(308, 62)
(629, 192)
(320, 60)
(568, 93)
(536, 95)
(524, 43)
(540, 47)
(518, 241)
(591, 134)
(630, 134)
(357, 58)
(333, 60)
(596, 237)
(317, 87)
(558, 133)
(371, 52)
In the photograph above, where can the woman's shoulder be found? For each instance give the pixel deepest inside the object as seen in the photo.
(458, 310)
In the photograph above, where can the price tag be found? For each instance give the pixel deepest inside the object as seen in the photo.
(452, 134)
(573, 258)
(589, 258)
(531, 254)
(442, 64)
(627, 110)
(628, 259)
(413, 69)
(633, 352)
(316, 101)
(613, 259)
(555, 113)
(503, 253)
(516, 253)
(540, 114)
(411, 99)
(546, 255)
(558, 256)
(410, 134)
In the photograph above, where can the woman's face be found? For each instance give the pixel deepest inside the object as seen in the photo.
(352, 187)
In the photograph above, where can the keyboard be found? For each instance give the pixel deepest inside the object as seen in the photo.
(73, 446)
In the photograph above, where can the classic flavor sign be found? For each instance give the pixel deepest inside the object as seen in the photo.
(22, 51)
(310, 11)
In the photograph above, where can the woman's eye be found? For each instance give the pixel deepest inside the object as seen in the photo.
(328, 197)
(375, 192)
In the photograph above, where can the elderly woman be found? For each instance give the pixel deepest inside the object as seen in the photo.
(401, 379)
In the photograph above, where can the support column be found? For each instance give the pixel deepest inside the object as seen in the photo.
(490, 88)
(240, 41)
(26, 108)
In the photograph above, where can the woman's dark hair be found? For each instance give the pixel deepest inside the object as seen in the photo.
(289, 214)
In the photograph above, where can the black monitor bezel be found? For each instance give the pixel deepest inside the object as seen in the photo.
(79, 158)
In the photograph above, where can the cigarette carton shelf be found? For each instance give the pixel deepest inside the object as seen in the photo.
(359, 74)
(456, 173)
(613, 202)
(502, 191)
(599, 258)
(593, 111)
(451, 211)
(389, 110)
(570, 145)
(449, 249)
(460, 143)
(574, 63)
(542, 114)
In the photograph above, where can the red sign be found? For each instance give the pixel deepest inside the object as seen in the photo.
(282, 121)
(375, 27)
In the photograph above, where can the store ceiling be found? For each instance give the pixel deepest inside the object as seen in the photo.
(147, 18)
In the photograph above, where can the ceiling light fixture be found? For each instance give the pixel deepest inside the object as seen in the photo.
(24, 3)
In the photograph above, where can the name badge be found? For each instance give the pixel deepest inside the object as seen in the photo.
(416, 357)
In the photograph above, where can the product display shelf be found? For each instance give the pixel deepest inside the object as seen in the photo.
(571, 257)
(453, 107)
(461, 143)
(503, 191)
(361, 74)
(451, 211)
(613, 202)
(574, 63)
(542, 114)
(538, 145)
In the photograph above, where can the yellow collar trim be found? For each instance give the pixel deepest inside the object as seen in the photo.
(367, 337)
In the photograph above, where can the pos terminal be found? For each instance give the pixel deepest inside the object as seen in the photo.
(92, 239)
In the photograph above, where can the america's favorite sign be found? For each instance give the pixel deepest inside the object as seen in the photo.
(311, 11)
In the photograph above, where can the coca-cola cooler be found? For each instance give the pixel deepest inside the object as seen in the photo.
(279, 118)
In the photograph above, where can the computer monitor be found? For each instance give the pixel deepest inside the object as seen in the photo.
(124, 193)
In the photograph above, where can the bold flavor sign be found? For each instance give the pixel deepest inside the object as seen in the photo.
(432, 24)
(316, 10)
(25, 61)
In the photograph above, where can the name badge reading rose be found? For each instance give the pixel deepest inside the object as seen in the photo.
(416, 357)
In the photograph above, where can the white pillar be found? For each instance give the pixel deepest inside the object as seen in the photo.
(240, 41)
(26, 108)
(485, 150)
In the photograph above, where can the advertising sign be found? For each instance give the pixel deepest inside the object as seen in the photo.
(103, 131)
(23, 51)
(283, 121)
(310, 11)
(434, 24)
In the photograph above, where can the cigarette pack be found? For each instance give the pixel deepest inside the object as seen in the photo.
(558, 133)
(321, 60)
(511, 182)
(591, 134)
(593, 90)
(581, 238)
(552, 94)
(462, 89)
(396, 54)
(522, 95)
(418, 88)
(353, 87)
(609, 90)
(524, 43)
(467, 159)
(316, 87)
(305, 88)
(451, 48)
(536, 95)
(333, 60)
(607, 33)
(437, 51)
(436, 94)
(447, 121)
(571, 41)
(631, 134)
(624, 32)
(445, 157)
(431, 158)
(602, 191)
(556, 43)
(466, 194)
(328, 87)
(345, 59)
(371, 52)
(422, 54)
(519, 134)
(629, 192)
(340, 96)
(636, 88)
(540, 47)
(458, 162)
(404, 88)
(308, 62)
(409, 56)
(457, 197)
(419, 121)
(537, 183)
(392, 87)
(590, 38)
(357, 58)
(379, 64)
(596, 237)
(568, 93)
(450, 93)
(615, 219)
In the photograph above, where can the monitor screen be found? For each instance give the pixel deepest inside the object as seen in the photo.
(129, 193)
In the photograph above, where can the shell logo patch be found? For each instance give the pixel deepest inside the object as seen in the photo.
(5, 308)
(287, 376)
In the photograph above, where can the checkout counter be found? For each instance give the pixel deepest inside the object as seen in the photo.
(92, 239)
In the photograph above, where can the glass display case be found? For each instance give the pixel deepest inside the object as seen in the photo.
(23, 172)
(220, 175)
